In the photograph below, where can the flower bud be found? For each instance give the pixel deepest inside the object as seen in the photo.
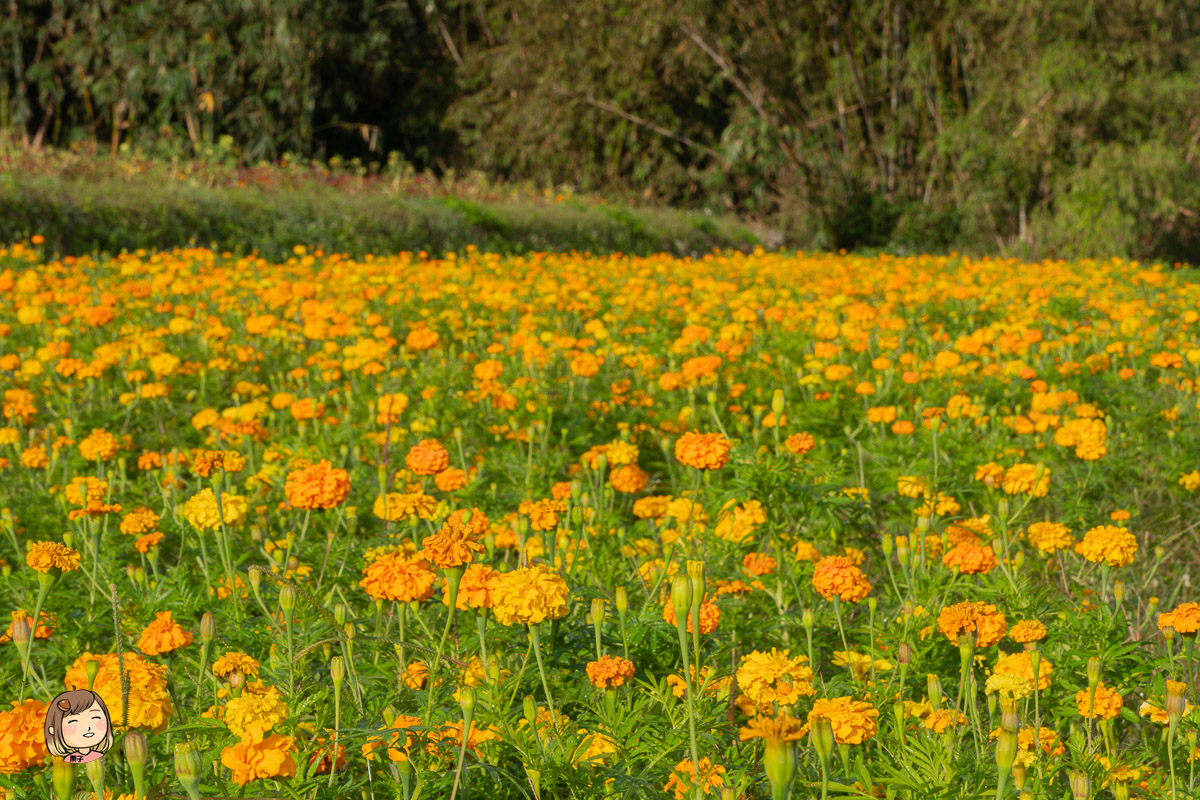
(187, 768)
(1019, 775)
(1081, 785)
(681, 599)
(822, 738)
(337, 670)
(1176, 702)
(136, 754)
(695, 571)
(885, 545)
(806, 619)
(466, 699)
(779, 759)
(904, 653)
(236, 680)
(1120, 790)
(991, 705)
(130, 571)
(287, 597)
(1006, 750)
(1152, 604)
(92, 667)
(621, 600)
(529, 707)
(597, 611)
(255, 577)
(1009, 718)
(95, 775)
(208, 627)
(1168, 633)
(933, 689)
(62, 775)
(1093, 672)
(22, 630)
(1119, 591)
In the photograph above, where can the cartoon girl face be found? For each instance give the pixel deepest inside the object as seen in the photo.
(77, 724)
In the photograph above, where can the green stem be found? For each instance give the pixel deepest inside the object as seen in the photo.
(536, 641)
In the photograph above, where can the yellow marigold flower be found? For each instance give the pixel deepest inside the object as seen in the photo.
(1049, 536)
(100, 445)
(415, 674)
(148, 542)
(805, 551)
(990, 473)
(1107, 704)
(1007, 684)
(837, 575)
(1027, 630)
(609, 672)
(529, 595)
(138, 521)
(427, 457)
(983, 618)
(201, 510)
(149, 704)
(621, 453)
(320, 486)
(1185, 619)
(853, 721)
(859, 664)
(163, 635)
(543, 515)
(1190, 481)
(1109, 544)
(775, 677)
(258, 709)
(235, 662)
(782, 728)
(702, 450)
(1031, 479)
(651, 507)
(942, 720)
(683, 778)
(457, 542)
(395, 506)
(47, 556)
(1021, 665)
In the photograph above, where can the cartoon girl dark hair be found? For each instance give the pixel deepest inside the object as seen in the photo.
(77, 727)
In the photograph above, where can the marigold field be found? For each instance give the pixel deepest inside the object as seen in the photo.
(568, 526)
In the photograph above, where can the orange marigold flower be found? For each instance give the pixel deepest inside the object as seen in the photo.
(941, 721)
(837, 575)
(421, 339)
(415, 674)
(139, 520)
(148, 542)
(269, 758)
(1049, 536)
(1021, 665)
(853, 721)
(971, 559)
(628, 479)
(759, 564)
(1185, 619)
(22, 736)
(805, 551)
(609, 672)
(983, 618)
(398, 577)
(163, 635)
(1027, 630)
(1107, 705)
(475, 589)
(800, 443)
(651, 507)
(42, 631)
(52, 556)
(100, 445)
(683, 778)
(457, 542)
(775, 677)
(543, 515)
(449, 480)
(1031, 479)
(782, 728)
(703, 450)
(1109, 544)
(427, 457)
(710, 616)
(320, 486)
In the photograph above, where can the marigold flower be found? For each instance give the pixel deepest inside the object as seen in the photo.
(1031, 479)
(683, 778)
(258, 709)
(1021, 665)
(269, 758)
(427, 457)
(234, 661)
(759, 564)
(47, 556)
(1027, 630)
(609, 672)
(837, 575)
(800, 443)
(1107, 704)
(775, 677)
(148, 542)
(1108, 544)
(139, 520)
(395, 751)
(805, 551)
(942, 720)
(853, 721)
(99, 445)
(395, 506)
(415, 674)
(983, 618)
(628, 479)
(475, 588)
(320, 486)
(22, 736)
(702, 450)
(42, 631)
(201, 510)
(651, 507)
(163, 635)
(529, 595)
(1049, 536)
(1185, 619)
(149, 703)
(452, 479)
(457, 542)
(710, 617)
(971, 559)
(396, 576)
(783, 728)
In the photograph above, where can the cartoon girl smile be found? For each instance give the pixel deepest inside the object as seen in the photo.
(77, 727)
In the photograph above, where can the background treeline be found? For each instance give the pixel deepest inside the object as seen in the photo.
(1029, 127)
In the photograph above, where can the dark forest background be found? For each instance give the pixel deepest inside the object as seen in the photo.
(1061, 128)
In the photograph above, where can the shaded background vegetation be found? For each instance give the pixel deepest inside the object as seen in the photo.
(1061, 128)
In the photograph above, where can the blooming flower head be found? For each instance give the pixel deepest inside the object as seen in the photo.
(775, 677)
(942, 720)
(201, 510)
(149, 704)
(457, 542)
(609, 672)
(234, 661)
(837, 575)
(395, 506)
(253, 760)
(52, 556)
(22, 736)
(683, 778)
(710, 616)
(1049, 536)
(99, 445)
(427, 457)
(800, 443)
(1185, 619)
(983, 618)
(529, 595)
(1107, 703)
(1027, 630)
(628, 479)
(138, 521)
(396, 576)
(163, 635)
(853, 721)
(783, 728)
(475, 589)
(1030, 479)
(703, 450)
(970, 559)
(258, 709)
(1021, 665)
(320, 486)
(1108, 544)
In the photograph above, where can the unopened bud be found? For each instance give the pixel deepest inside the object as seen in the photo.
(1081, 785)
(255, 576)
(885, 545)
(933, 689)
(187, 768)
(92, 667)
(208, 627)
(62, 775)
(287, 596)
(466, 699)
(236, 680)
(681, 598)
(337, 670)
(822, 738)
(1019, 775)
(22, 630)
(1006, 750)
(621, 600)
(95, 775)
(1010, 720)
(1168, 633)
(904, 653)
(529, 707)
(806, 619)
(695, 571)
(1176, 702)
(1093, 672)
(777, 403)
